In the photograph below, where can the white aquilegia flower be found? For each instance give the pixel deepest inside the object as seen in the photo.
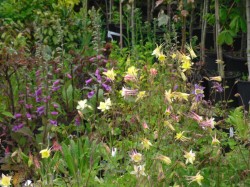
(82, 105)
(114, 150)
(190, 157)
(105, 105)
(139, 170)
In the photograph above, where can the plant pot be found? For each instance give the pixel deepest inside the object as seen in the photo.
(243, 88)
(229, 93)
(235, 63)
(210, 62)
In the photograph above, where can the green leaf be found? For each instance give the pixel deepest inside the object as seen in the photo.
(8, 114)
(226, 37)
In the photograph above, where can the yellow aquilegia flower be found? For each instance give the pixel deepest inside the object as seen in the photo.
(197, 178)
(180, 96)
(110, 74)
(105, 105)
(45, 153)
(5, 180)
(181, 137)
(163, 158)
(141, 95)
(215, 141)
(190, 157)
(168, 96)
(217, 78)
(174, 56)
(161, 57)
(157, 51)
(146, 144)
(191, 51)
(132, 71)
(187, 65)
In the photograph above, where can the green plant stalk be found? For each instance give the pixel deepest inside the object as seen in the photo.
(73, 87)
(183, 33)
(121, 33)
(133, 26)
(203, 31)
(218, 47)
(11, 93)
(46, 71)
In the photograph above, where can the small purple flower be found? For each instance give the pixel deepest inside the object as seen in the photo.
(54, 113)
(28, 106)
(56, 83)
(198, 92)
(91, 94)
(28, 115)
(17, 127)
(69, 76)
(55, 88)
(55, 105)
(98, 76)
(78, 121)
(38, 92)
(38, 73)
(106, 87)
(88, 81)
(38, 99)
(21, 101)
(175, 87)
(218, 87)
(17, 115)
(53, 122)
(99, 57)
(105, 61)
(46, 99)
(40, 110)
(92, 59)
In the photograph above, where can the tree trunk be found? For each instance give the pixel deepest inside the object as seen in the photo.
(248, 36)
(218, 47)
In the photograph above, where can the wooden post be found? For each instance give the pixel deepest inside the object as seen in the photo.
(248, 36)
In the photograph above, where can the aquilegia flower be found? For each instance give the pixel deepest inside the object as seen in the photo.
(139, 170)
(163, 158)
(128, 92)
(197, 178)
(82, 105)
(157, 51)
(135, 156)
(5, 180)
(45, 153)
(110, 74)
(105, 105)
(215, 141)
(198, 92)
(181, 137)
(146, 144)
(208, 123)
(217, 87)
(190, 157)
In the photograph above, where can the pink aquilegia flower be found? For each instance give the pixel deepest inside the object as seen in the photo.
(208, 123)
(196, 117)
(153, 72)
(128, 92)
